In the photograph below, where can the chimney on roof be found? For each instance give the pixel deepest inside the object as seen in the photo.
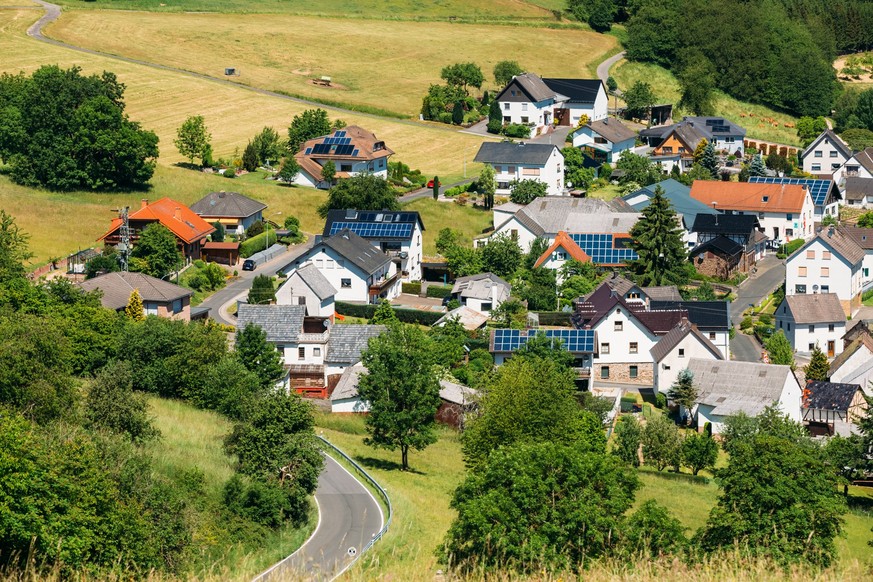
(178, 214)
(830, 231)
(143, 203)
(221, 194)
(606, 121)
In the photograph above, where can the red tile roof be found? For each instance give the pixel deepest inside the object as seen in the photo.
(750, 197)
(175, 216)
(563, 240)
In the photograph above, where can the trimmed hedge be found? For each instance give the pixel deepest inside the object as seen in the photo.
(405, 315)
(411, 288)
(256, 244)
(554, 318)
(438, 292)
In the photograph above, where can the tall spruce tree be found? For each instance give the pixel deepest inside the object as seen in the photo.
(757, 167)
(818, 368)
(683, 391)
(657, 240)
(709, 160)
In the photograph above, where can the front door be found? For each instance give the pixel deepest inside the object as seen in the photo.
(830, 348)
(562, 116)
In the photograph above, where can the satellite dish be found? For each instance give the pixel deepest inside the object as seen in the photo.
(814, 288)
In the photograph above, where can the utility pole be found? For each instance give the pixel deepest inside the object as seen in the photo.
(124, 237)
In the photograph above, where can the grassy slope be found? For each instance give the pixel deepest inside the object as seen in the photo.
(666, 88)
(436, 216)
(193, 438)
(383, 64)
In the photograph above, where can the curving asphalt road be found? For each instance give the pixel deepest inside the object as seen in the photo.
(349, 517)
(603, 68)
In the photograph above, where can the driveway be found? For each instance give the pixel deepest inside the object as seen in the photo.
(416, 302)
(770, 274)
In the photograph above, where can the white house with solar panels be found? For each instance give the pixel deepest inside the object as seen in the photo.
(397, 234)
(825, 194)
(352, 149)
(582, 343)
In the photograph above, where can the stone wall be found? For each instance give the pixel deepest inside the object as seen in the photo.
(620, 372)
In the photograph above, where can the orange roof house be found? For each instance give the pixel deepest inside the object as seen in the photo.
(750, 197)
(563, 241)
(190, 230)
(352, 149)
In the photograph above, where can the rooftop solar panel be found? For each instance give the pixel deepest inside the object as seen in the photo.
(355, 153)
(344, 150)
(818, 189)
(340, 133)
(602, 249)
(321, 148)
(308, 151)
(572, 340)
(374, 229)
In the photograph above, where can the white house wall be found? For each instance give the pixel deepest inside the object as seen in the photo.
(822, 158)
(842, 279)
(551, 174)
(513, 228)
(349, 405)
(667, 370)
(801, 338)
(619, 341)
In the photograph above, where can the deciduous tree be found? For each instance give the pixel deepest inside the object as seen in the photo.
(662, 445)
(638, 169)
(402, 391)
(504, 71)
(289, 171)
(157, 248)
(463, 75)
(501, 256)
(487, 185)
(652, 531)
(258, 355)
(628, 436)
(192, 138)
(310, 124)
(639, 100)
(328, 172)
(362, 192)
(699, 451)
(112, 404)
(780, 350)
(384, 313)
(526, 191)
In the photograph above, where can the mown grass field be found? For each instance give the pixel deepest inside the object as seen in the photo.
(161, 100)
(382, 64)
(193, 438)
(667, 90)
(468, 220)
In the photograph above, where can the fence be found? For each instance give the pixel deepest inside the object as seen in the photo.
(73, 263)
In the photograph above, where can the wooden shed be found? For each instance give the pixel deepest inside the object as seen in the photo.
(225, 253)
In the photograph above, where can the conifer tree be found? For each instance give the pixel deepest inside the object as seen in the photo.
(657, 239)
(818, 368)
(757, 167)
(258, 355)
(709, 160)
(683, 391)
(698, 151)
(134, 309)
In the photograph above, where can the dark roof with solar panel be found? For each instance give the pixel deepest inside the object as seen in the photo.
(818, 189)
(605, 249)
(571, 340)
(373, 225)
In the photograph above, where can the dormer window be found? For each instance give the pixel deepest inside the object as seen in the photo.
(765, 199)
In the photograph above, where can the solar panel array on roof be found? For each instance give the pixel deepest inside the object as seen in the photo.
(375, 216)
(340, 133)
(321, 148)
(344, 150)
(374, 229)
(602, 249)
(308, 151)
(338, 140)
(572, 340)
(818, 189)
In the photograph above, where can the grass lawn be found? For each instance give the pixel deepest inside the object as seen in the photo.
(161, 100)
(468, 220)
(380, 64)
(747, 115)
(606, 193)
(192, 438)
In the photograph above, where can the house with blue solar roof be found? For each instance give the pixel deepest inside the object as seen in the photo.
(825, 195)
(582, 343)
(397, 234)
(352, 149)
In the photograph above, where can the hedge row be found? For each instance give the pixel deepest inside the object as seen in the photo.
(411, 288)
(555, 318)
(257, 244)
(404, 315)
(438, 292)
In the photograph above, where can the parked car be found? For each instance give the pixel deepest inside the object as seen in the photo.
(249, 265)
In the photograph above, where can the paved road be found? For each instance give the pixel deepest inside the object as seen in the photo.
(770, 274)
(603, 68)
(349, 517)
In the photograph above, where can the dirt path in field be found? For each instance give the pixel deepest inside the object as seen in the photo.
(53, 11)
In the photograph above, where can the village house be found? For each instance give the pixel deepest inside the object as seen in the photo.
(784, 211)
(306, 286)
(469, 318)
(826, 155)
(235, 212)
(728, 387)
(726, 244)
(855, 364)
(359, 272)
(541, 103)
(812, 320)
(831, 408)
(675, 349)
(604, 140)
(863, 237)
(674, 145)
(159, 297)
(189, 229)
(513, 162)
(352, 149)
(580, 343)
(829, 263)
(483, 293)
(711, 318)
(679, 196)
(858, 192)
(826, 196)
(397, 234)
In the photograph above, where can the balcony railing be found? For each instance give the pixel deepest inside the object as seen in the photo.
(384, 282)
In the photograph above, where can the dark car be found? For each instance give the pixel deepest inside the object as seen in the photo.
(248, 265)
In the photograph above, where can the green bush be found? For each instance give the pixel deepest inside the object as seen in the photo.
(438, 292)
(866, 295)
(790, 248)
(257, 244)
(405, 315)
(763, 332)
(199, 263)
(627, 403)
(517, 130)
(747, 322)
(411, 288)
(661, 401)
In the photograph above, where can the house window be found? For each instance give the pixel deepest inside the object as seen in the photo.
(600, 140)
(633, 347)
(712, 335)
(524, 106)
(818, 154)
(810, 254)
(729, 140)
(811, 347)
(789, 216)
(560, 256)
(301, 300)
(789, 232)
(825, 271)
(506, 106)
(800, 289)
(619, 326)
(801, 271)
(346, 283)
(634, 370)
(177, 306)
(816, 167)
(319, 263)
(530, 171)
(525, 120)
(825, 288)
(316, 352)
(511, 170)
(833, 154)
(826, 255)
(811, 329)
(789, 327)
(513, 234)
(604, 348)
(486, 306)
(345, 167)
(604, 372)
(329, 263)
(301, 353)
(498, 169)
(681, 150)
(866, 271)
(506, 118)
(667, 149)
(830, 327)
(681, 352)
(150, 308)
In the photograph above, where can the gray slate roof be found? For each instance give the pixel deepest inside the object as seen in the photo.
(863, 237)
(357, 251)
(552, 214)
(833, 139)
(521, 154)
(663, 293)
(282, 323)
(117, 287)
(858, 188)
(816, 308)
(467, 317)
(316, 281)
(346, 342)
(830, 395)
(840, 241)
(533, 85)
(457, 393)
(347, 387)
(227, 204)
(480, 286)
(732, 386)
(666, 344)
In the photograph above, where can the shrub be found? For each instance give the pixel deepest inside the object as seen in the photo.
(554, 318)
(199, 263)
(229, 173)
(766, 319)
(868, 294)
(404, 315)
(661, 401)
(517, 130)
(292, 223)
(257, 244)
(411, 288)
(790, 248)
(627, 403)
(747, 322)
(256, 228)
(438, 291)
